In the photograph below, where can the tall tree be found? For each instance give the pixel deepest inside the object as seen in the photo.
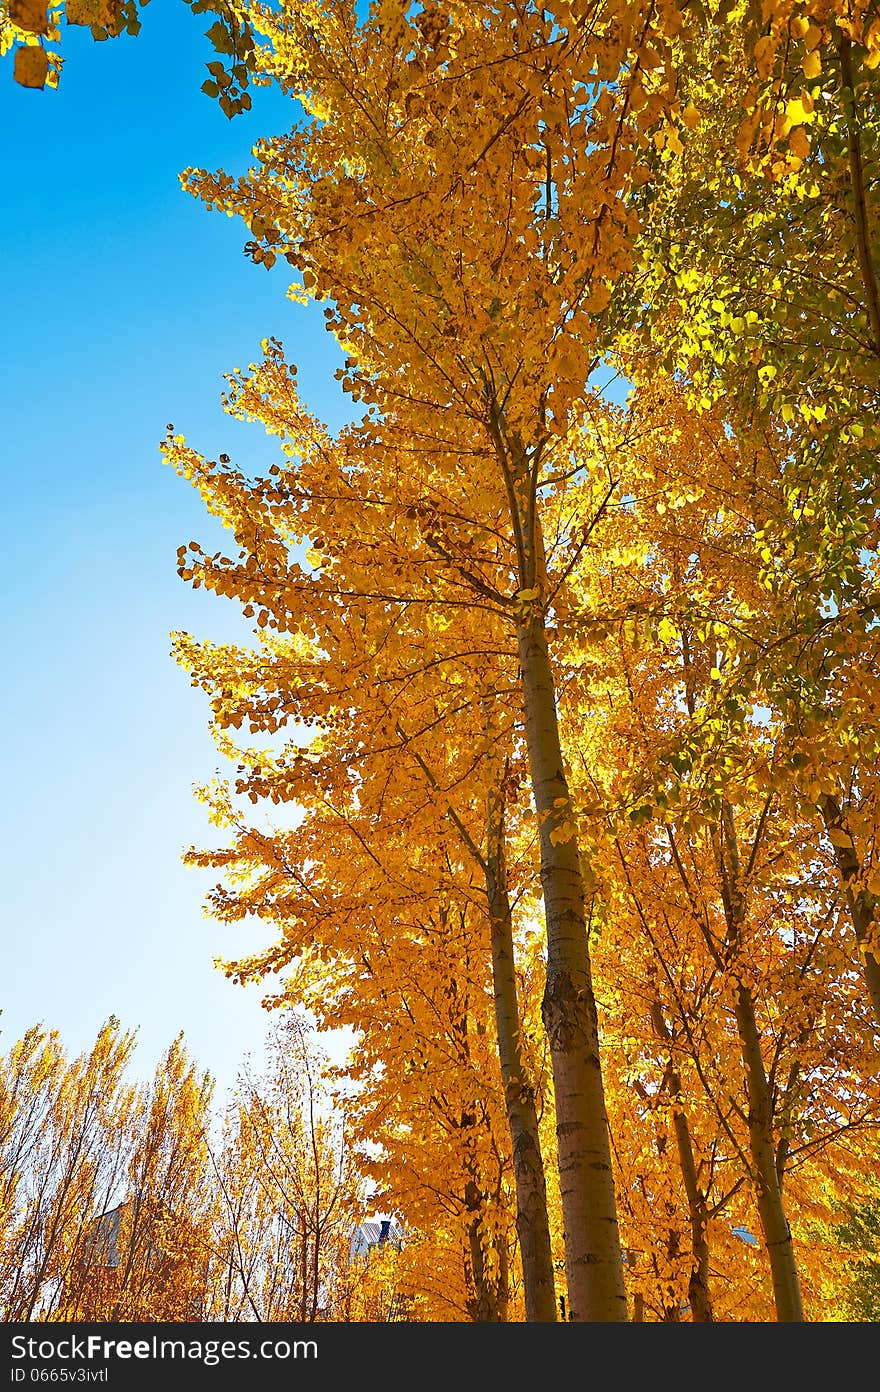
(290, 1196)
(471, 348)
(685, 717)
(390, 681)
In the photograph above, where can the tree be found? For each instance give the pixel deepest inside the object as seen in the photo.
(61, 1159)
(143, 1247)
(289, 1192)
(120, 1203)
(353, 685)
(434, 314)
(755, 278)
(696, 798)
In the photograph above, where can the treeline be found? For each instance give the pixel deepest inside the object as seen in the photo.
(132, 1201)
(124, 1201)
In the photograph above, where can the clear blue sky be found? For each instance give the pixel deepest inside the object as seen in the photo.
(123, 303)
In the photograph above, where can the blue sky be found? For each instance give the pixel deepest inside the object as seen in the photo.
(123, 304)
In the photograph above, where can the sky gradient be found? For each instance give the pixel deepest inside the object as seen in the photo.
(124, 302)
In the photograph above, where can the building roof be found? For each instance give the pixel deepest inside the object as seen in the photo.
(373, 1232)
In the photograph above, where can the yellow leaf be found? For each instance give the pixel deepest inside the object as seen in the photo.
(30, 15)
(812, 64)
(812, 37)
(86, 12)
(691, 116)
(31, 67)
(562, 834)
(673, 142)
(799, 143)
(765, 53)
(798, 111)
(838, 837)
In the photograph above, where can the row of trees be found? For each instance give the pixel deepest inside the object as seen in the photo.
(132, 1201)
(574, 697)
(565, 704)
(128, 1201)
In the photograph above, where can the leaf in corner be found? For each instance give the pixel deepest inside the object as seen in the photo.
(31, 15)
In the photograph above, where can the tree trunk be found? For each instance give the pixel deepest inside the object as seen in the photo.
(304, 1272)
(699, 1298)
(765, 1174)
(768, 1190)
(487, 1303)
(532, 1221)
(698, 1281)
(594, 1269)
(861, 903)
